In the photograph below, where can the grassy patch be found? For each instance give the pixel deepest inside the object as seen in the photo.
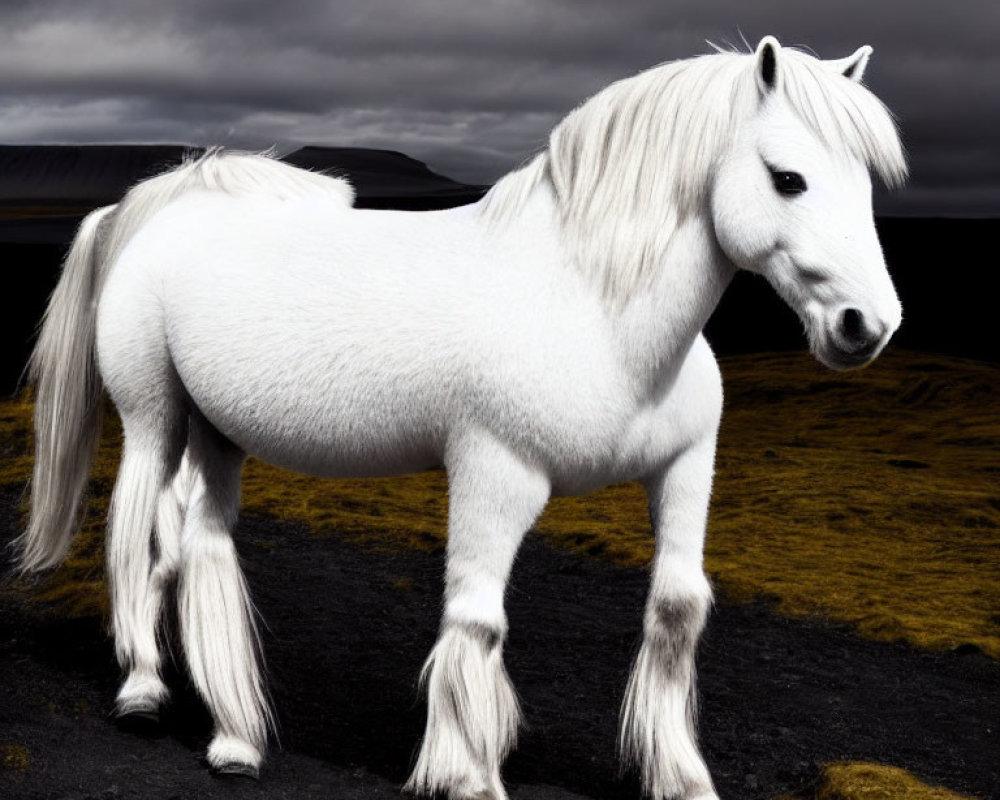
(869, 498)
(14, 757)
(864, 781)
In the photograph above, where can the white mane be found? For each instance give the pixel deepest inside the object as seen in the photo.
(629, 165)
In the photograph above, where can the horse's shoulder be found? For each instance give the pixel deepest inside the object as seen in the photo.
(703, 366)
(698, 389)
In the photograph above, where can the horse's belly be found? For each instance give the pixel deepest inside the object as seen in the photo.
(339, 404)
(329, 436)
(345, 458)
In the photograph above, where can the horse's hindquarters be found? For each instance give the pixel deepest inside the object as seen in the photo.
(296, 353)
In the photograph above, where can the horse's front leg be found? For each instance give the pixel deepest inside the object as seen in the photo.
(658, 715)
(472, 711)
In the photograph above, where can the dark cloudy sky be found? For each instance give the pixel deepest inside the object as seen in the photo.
(472, 87)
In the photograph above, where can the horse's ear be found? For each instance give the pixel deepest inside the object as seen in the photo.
(767, 68)
(854, 65)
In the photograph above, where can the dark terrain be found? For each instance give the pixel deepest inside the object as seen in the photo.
(348, 629)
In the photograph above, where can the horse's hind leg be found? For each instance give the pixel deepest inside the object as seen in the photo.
(659, 709)
(151, 451)
(143, 692)
(472, 712)
(216, 616)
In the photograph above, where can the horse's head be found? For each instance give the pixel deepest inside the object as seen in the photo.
(792, 199)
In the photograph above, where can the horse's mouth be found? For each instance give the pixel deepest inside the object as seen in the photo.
(829, 353)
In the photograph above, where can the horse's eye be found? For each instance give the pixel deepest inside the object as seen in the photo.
(788, 183)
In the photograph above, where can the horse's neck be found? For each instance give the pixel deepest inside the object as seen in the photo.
(657, 327)
(654, 330)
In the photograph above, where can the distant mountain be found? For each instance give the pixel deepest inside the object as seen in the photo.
(386, 178)
(74, 178)
(79, 175)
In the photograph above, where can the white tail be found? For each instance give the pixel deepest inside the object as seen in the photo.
(67, 402)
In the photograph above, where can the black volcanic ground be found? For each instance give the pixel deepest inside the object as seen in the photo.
(348, 629)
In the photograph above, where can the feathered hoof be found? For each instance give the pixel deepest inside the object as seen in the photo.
(233, 758)
(137, 707)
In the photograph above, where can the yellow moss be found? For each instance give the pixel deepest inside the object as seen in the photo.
(407, 510)
(14, 757)
(869, 498)
(863, 781)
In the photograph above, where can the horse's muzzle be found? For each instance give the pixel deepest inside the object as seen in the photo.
(854, 339)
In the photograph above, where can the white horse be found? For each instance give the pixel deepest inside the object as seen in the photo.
(545, 340)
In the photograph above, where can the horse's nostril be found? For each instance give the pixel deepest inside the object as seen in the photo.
(852, 327)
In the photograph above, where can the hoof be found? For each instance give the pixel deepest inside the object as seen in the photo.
(235, 769)
(231, 757)
(137, 708)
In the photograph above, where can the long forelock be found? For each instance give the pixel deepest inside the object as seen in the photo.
(844, 115)
(632, 164)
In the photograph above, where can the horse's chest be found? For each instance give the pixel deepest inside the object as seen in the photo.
(601, 454)
(642, 438)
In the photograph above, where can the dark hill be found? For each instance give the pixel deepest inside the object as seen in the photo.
(78, 176)
(386, 178)
(42, 180)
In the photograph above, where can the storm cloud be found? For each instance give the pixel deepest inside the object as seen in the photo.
(471, 88)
